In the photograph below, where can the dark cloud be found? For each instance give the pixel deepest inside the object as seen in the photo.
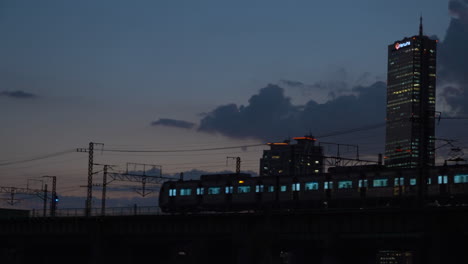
(271, 116)
(337, 83)
(173, 123)
(292, 83)
(267, 113)
(453, 62)
(18, 94)
(459, 9)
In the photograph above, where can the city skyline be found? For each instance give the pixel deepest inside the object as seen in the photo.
(69, 78)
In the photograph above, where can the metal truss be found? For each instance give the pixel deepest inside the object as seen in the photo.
(25, 191)
(341, 162)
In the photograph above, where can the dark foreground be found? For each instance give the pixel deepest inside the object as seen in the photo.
(427, 235)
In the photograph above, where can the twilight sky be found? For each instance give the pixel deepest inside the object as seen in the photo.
(165, 75)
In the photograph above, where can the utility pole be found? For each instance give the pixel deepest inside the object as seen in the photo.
(45, 199)
(238, 163)
(104, 184)
(89, 196)
(54, 196)
(53, 200)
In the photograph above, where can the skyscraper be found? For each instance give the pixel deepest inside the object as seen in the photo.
(411, 85)
(284, 158)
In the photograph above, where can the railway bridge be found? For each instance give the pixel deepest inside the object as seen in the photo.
(427, 235)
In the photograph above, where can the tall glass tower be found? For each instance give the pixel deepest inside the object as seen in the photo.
(411, 85)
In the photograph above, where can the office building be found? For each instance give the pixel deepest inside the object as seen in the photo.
(411, 98)
(284, 158)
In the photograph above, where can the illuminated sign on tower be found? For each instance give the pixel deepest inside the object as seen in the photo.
(402, 45)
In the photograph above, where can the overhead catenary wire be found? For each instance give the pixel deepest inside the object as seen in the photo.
(364, 128)
(182, 150)
(47, 156)
(331, 134)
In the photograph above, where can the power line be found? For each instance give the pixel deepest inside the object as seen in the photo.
(38, 158)
(180, 154)
(364, 128)
(183, 150)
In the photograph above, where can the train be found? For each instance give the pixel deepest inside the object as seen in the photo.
(340, 187)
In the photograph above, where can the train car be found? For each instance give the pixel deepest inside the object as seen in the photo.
(345, 187)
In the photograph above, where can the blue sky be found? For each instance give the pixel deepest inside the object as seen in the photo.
(104, 70)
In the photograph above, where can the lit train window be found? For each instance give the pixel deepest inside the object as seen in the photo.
(362, 183)
(283, 188)
(200, 191)
(380, 182)
(412, 181)
(429, 181)
(311, 186)
(328, 185)
(172, 192)
(229, 189)
(271, 188)
(243, 189)
(296, 187)
(214, 190)
(442, 179)
(460, 178)
(345, 184)
(259, 188)
(185, 192)
(399, 181)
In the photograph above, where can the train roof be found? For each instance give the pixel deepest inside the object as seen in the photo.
(224, 176)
